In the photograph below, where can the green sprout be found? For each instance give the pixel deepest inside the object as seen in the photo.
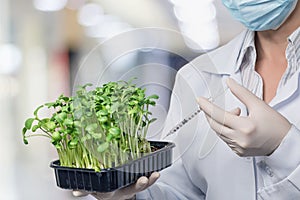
(99, 128)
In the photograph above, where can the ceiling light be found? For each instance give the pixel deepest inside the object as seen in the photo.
(199, 14)
(11, 58)
(49, 5)
(90, 14)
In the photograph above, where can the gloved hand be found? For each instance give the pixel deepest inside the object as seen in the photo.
(125, 193)
(257, 134)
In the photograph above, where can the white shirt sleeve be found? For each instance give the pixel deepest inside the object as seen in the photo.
(280, 172)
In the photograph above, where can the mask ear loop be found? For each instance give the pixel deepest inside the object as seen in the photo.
(192, 115)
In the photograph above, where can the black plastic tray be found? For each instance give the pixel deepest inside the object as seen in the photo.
(110, 179)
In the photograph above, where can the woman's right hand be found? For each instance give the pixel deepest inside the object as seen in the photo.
(125, 193)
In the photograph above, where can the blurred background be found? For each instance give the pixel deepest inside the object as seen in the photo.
(48, 47)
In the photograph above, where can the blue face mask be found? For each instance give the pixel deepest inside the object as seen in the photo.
(260, 15)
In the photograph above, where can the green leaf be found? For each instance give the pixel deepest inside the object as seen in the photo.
(88, 113)
(133, 102)
(36, 110)
(68, 122)
(57, 145)
(77, 124)
(109, 137)
(114, 131)
(56, 136)
(154, 96)
(105, 126)
(102, 119)
(87, 85)
(64, 98)
(91, 127)
(85, 103)
(28, 123)
(152, 103)
(51, 125)
(115, 106)
(152, 120)
(61, 117)
(35, 127)
(96, 135)
(102, 147)
(85, 138)
(25, 141)
(133, 111)
(24, 130)
(78, 114)
(52, 104)
(73, 143)
(102, 112)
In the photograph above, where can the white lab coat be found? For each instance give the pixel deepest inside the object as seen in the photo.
(204, 166)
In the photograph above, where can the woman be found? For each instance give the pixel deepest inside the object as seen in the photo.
(245, 145)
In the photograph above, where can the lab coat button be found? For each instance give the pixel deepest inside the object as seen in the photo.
(269, 171)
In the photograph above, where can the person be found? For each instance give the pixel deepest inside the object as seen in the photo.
(245, 145)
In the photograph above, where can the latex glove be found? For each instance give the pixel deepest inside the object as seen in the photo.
(124, 193)
(257, 134)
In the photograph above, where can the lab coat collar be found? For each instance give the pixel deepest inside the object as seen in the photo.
(294, 38)
(292, 85)
(287, 91)
(211, 62)
(217, 62)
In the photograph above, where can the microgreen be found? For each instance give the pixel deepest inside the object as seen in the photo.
(98, 128)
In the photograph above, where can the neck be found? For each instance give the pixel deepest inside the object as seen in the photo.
(272, 43)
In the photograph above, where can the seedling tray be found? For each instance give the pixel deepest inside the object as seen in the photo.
(110, 179)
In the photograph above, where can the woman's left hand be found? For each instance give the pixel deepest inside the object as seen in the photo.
(257, 134)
